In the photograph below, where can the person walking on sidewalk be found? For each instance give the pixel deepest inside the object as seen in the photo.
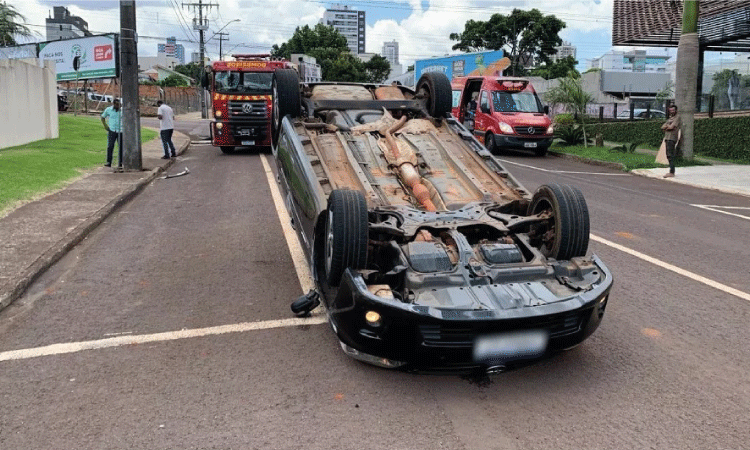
(671, 134)
(112, 121)
(166, 125)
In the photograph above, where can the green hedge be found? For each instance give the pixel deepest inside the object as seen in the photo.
(722, 137)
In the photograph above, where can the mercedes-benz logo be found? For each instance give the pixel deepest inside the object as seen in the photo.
(531, 130)
(247, 108)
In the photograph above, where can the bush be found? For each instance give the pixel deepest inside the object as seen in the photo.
(570, 134)
(564, 119)
(722, 137)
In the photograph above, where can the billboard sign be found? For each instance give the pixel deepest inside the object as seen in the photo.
(97, 57)
(464, 64)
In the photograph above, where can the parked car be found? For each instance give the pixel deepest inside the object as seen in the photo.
(642, 114)
(62, 101)
(427, 253)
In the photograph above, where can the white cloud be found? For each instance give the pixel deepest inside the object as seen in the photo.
(421, 32)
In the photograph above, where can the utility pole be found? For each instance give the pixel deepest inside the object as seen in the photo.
(222, 39)
(130, 140)
(201, 25)
(688, 56)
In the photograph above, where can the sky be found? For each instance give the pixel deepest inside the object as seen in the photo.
(421, 27)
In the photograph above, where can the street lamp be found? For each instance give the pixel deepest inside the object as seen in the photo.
(221, 34)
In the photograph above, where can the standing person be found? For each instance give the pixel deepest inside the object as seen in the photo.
(166, 125)
(112, 121)
(671, 134)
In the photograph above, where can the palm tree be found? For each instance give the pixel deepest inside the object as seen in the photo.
(570, 93)
(686, 89)
(10, 25)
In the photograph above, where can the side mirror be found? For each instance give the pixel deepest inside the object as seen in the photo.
(546, 109)
(205, 81)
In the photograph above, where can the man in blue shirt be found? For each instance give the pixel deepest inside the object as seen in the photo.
(111, 119)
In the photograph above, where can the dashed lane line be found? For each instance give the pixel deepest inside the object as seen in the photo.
(673, 268)
(720, 209)
(119, 341)
(570, 172)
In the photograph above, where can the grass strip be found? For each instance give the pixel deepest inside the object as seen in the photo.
(29, 170)
(629, 160)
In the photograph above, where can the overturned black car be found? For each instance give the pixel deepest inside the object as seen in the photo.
(426, 252)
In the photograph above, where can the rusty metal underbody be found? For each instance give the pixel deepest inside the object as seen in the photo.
(418, 162)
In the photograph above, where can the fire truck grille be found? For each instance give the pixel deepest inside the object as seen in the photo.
(254, 110)
(530, 130)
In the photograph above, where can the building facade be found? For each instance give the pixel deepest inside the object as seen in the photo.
(390, 52)
(173, 49)
(563, 51)
(350, 23)
(632, 61)
(64, 25)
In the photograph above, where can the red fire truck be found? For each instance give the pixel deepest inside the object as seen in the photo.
(241, 99)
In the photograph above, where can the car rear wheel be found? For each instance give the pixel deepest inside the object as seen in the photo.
(346, 234)
(286, 99)
(565, 234)
(435, 90)
(227, 149)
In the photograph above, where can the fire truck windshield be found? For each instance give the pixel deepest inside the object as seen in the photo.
(256, 82)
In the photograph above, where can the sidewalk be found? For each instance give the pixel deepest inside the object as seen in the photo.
(729, 178)
(36, 235)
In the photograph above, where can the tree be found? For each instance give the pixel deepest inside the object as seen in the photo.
(173, 80)
(558, 69)
(570, 93)
(378, 68)
(192, 70)
(330, 50)
(686, 89)
(530, 34)
(10, 25)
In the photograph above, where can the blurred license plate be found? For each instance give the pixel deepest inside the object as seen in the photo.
(248, 142)
(529, 144)
(500, 348)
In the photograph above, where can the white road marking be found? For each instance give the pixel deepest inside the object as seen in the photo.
(74, 347)
(607, 174)
(673, 268)
(718, 209)
(295, 248)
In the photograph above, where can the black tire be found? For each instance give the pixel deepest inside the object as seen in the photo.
(435, 90)
(541, 151)
(286, 99)
(568, 224)
(489, 143)
(345, 245)
(226, 149)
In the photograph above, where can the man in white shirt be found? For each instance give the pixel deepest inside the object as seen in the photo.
(166, 125)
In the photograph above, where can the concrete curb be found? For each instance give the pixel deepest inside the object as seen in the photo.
(74, 237)
(593, 162)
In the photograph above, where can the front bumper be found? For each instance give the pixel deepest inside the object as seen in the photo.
(525, 142)
(415, 337)
(239, 133)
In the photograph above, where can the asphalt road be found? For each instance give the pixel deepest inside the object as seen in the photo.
(667, 368)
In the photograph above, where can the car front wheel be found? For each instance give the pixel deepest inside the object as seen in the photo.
(565, 232)
(346, 234)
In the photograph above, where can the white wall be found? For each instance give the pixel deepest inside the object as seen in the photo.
(28, 101)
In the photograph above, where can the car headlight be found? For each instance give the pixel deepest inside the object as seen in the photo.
(373, 318)
(505, 128)
(219, 126)
(551, 129)
(217, 113)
